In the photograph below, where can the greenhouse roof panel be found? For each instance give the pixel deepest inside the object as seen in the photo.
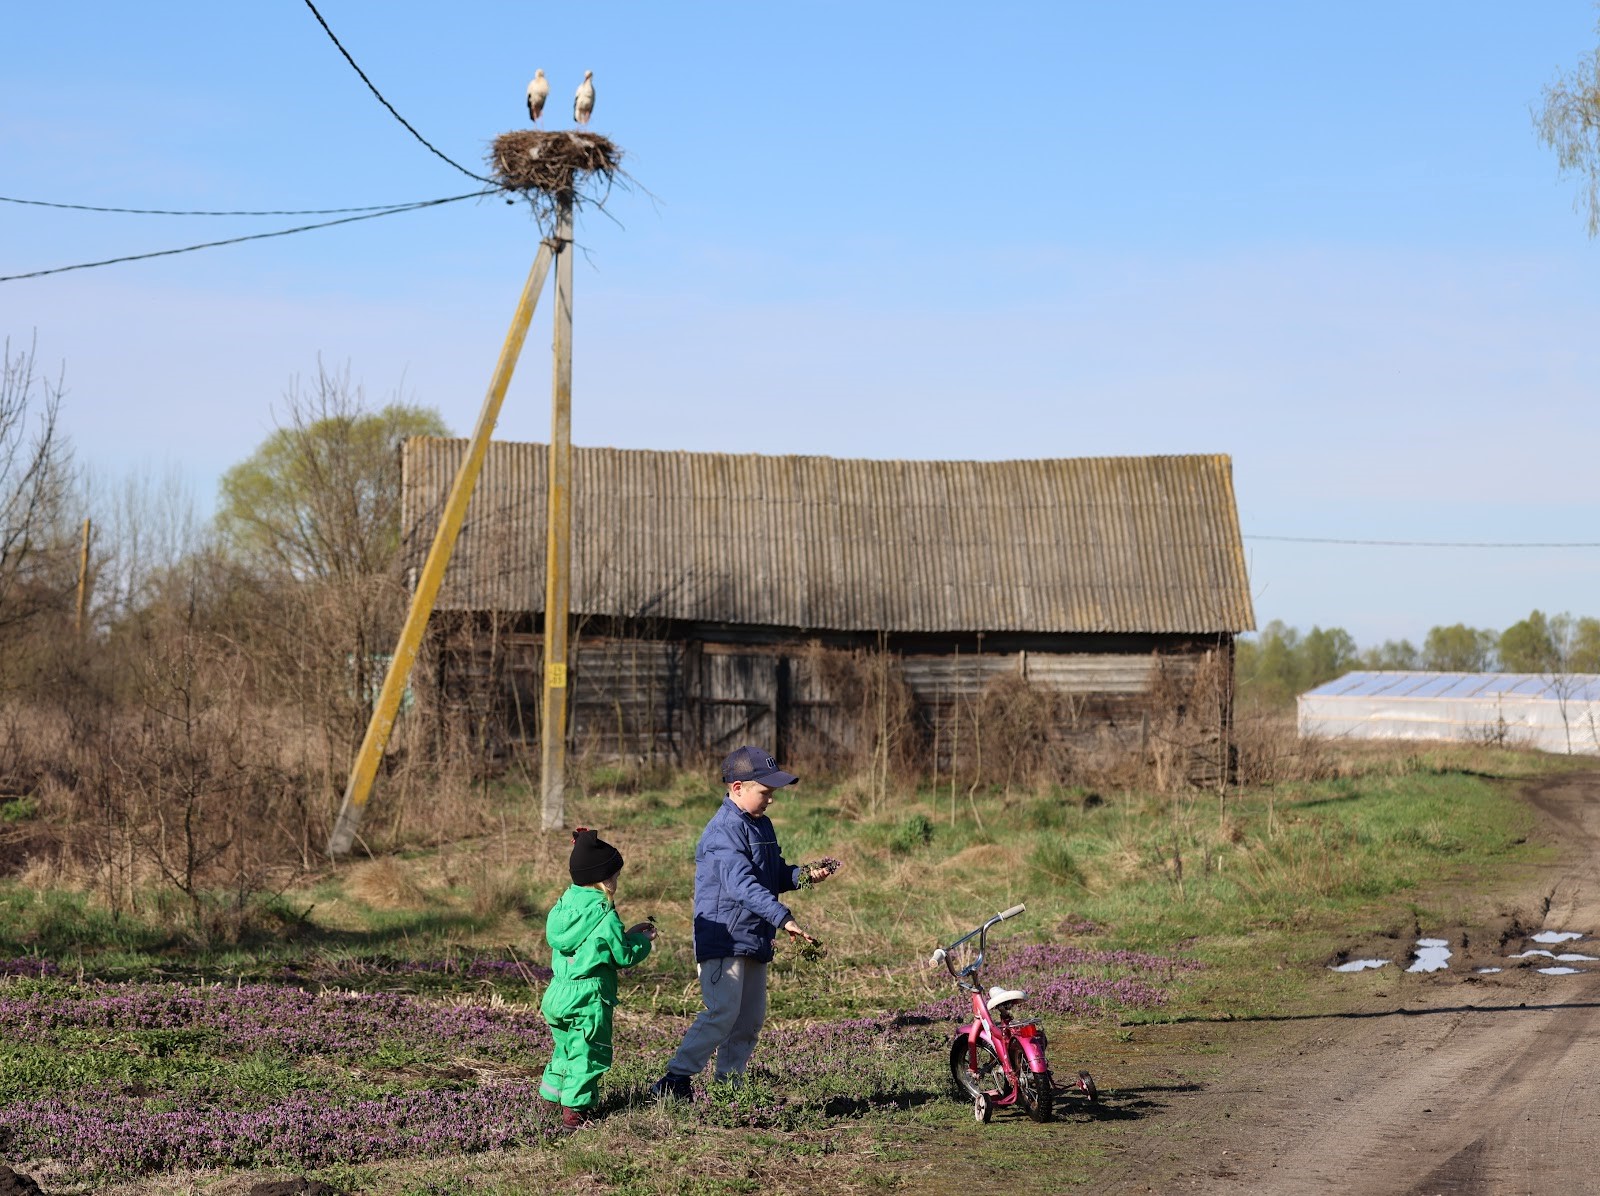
(1583, 687)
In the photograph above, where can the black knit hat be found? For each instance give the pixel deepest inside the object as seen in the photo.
(593, 859)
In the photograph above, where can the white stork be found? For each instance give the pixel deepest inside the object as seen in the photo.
(537, 91)
(583, 102)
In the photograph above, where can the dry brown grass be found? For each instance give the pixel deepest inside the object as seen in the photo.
(385, 883)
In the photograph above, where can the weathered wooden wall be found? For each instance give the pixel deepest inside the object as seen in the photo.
(682, 699)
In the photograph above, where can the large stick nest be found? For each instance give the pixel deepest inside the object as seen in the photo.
(544, 167)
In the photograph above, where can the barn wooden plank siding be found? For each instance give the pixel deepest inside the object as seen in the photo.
(709, 588)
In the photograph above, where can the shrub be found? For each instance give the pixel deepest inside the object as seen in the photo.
(911, 833)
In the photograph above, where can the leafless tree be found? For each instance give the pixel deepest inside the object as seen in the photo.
(33, 484)
(1569, 123)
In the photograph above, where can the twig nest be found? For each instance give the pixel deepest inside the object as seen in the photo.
(554, 163)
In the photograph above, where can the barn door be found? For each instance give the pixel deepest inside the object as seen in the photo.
(738, 697)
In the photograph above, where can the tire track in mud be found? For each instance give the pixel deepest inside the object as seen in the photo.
(1480, 1084)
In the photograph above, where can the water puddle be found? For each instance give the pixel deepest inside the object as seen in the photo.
(1433, 955)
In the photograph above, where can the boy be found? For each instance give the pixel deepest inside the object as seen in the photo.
(738, 872)
(587, 946)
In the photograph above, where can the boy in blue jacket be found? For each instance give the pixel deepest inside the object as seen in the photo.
(739, 870)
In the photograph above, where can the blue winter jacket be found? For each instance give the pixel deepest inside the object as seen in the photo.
(739, 871)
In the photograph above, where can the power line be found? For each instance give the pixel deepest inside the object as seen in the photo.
(282, 232)
(387, 104)
(1429, 543)
(81, 207)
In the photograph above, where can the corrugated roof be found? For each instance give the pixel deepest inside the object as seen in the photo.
(1581, 687)
(1109, 544)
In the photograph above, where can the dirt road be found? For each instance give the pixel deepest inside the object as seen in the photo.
(1454, 1082)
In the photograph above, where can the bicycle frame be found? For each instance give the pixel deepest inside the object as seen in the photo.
(999, 1033)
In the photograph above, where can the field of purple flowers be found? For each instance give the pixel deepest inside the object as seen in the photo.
(105, 1080)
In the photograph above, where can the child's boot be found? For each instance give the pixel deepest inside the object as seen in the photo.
(573, 1120)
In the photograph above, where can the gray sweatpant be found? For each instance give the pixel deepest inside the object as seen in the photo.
(735, 994)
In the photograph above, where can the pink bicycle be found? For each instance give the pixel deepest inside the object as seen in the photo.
(994, 1061)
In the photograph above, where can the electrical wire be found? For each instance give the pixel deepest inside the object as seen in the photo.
(81, 207)
(282, 232)
(387, 104)
(1429, 543)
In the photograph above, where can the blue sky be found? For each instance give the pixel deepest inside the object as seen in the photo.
(1320, 238)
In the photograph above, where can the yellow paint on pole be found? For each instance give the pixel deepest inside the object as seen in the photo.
(432, 575)
(558, 540)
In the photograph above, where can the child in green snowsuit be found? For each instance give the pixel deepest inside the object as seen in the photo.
(587, 946)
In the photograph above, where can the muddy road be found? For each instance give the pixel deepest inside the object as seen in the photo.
(1454, 1082)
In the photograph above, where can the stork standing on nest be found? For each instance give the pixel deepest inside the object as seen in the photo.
(583, 102)
(537, 91)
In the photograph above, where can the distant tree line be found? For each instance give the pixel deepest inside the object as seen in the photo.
(1282, 662)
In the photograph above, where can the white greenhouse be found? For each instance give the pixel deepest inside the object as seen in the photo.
(1555, 713)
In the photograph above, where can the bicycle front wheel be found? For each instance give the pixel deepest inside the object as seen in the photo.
(989, 1077)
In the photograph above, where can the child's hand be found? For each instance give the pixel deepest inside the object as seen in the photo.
(792, 928)
(820, 871)
(645, 928)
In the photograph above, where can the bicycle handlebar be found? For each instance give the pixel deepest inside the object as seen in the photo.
(942, 955)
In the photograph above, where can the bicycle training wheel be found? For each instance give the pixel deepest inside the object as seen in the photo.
(989, 1078)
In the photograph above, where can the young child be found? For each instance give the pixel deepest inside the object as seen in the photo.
(587, 946)
(739, 872)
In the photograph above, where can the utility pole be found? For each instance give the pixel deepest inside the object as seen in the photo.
(83, 581)
(558, 538)
(551, 169)
(432, 575)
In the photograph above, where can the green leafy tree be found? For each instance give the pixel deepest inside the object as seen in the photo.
(1281, 663)
(1569, 123)
(1584, 655)
(309, 526)
(320, 499)
(1458, 649)
(1392, 655)
(1529, 646)
(1326, 655)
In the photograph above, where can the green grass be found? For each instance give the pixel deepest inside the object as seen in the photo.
(1261, 885)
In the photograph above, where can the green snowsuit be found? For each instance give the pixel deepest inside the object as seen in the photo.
(587, 946)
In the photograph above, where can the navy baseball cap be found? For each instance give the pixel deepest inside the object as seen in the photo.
(755, 764)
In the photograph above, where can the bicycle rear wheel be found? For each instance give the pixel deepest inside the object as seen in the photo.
(990, 1077)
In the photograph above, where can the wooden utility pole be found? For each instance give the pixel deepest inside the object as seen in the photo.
(83, 581)
(558, 538)
(444, 542)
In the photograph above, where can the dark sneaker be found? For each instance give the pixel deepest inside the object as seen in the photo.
(672, 1087)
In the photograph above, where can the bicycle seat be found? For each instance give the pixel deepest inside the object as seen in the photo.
(1004, 996)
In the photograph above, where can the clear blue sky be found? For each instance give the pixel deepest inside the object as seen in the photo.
(1320, 238)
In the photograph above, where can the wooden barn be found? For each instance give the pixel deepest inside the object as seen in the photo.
(788, 601)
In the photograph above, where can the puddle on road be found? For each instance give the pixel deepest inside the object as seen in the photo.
(1433, 955)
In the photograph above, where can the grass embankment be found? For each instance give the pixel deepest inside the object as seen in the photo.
(390, 1023)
